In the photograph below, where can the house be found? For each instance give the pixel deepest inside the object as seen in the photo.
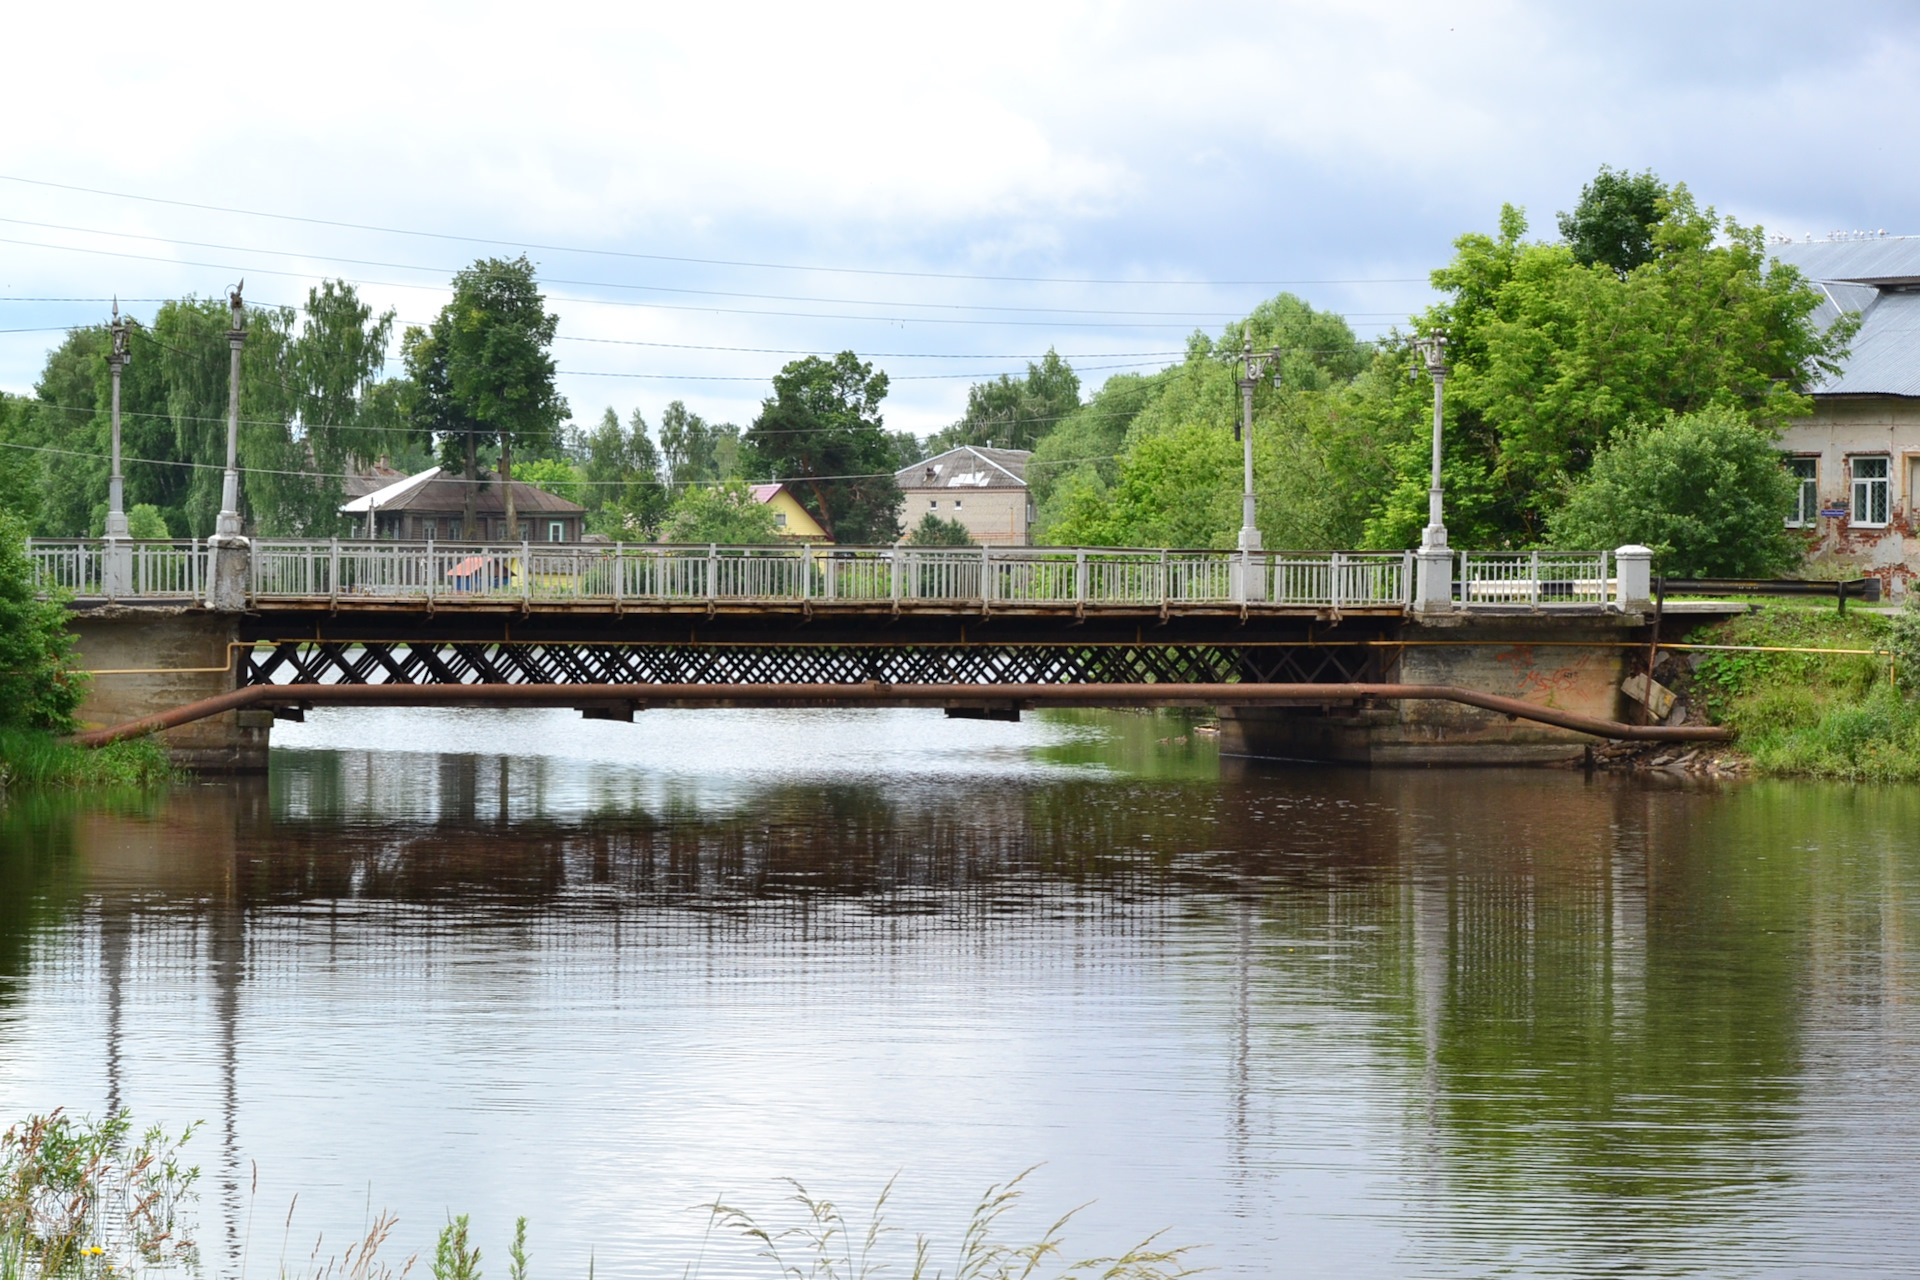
(1858, 456)
(789, 517)
(374, 477)
(432, 505)
(984, 489)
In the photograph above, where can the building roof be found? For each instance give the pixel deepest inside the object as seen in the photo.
(375, 477)
(967, 467)
(1878, 277)
(436, 493)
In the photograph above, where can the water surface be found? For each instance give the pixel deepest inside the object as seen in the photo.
(1327, 1022)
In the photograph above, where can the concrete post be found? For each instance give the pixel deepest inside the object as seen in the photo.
(116, 566)
(1433, 580)
(1633, 569)
(1434, 594)
(227, 590)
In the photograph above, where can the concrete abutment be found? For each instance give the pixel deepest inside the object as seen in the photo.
(148, 659)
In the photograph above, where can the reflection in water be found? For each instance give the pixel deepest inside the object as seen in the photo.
(1379, 1023)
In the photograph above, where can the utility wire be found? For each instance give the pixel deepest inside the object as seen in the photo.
(660, 257)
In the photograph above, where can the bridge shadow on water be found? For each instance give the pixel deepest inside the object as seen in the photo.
(1596, 1022)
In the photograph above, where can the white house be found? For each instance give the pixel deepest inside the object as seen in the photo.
(1858, 455)
(984, 489)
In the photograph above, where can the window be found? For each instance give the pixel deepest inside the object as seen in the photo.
(779, 519)
(1870, 491)
(1806, 499)
(933, 504)
(556, 531)
(499, 530)
(956, 504)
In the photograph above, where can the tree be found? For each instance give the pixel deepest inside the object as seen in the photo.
(694, 450)
(1613, 223)
(624, 494)
(555, 475)
(494, 336)
(725, 513)
(1014, 413)
(39, 687)
(821, 434)
(932, 531)
(1551, 359)
(1705, 490)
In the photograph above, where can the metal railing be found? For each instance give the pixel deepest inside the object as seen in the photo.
(1534, 579)
(119, 570)
(347, 569)
(294, 570)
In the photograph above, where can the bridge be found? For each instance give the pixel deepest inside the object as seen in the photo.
(1317, 654)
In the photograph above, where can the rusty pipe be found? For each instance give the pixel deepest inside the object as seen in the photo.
(879, 695)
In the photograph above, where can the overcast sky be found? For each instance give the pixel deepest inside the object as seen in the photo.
(869, 177)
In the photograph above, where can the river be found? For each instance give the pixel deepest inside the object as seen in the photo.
(1322, 1022)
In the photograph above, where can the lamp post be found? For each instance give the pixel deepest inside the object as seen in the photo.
(116, 491)
(232, 563)
(228, 525)
(1253, 366)
(1434, 591)
(1247, 582)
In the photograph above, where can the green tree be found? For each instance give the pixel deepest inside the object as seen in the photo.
(1613, 223)
(693, 450)
(144, 521)
(821, 433)
(725, 513)
(1551, 359)
(932, 531)
(555, 475)
(1014, 413)
(624, 495)
(494, 336)
(39, 686)
(1705, 490)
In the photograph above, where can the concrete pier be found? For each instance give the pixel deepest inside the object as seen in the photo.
(145, 658)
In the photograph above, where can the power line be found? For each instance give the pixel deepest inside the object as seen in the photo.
(661, 257)
(1216, 314)
(482, 482)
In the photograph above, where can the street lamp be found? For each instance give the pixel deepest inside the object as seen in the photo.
(1435, 588)
(1253, 366)
(116, 496)
(228, 525)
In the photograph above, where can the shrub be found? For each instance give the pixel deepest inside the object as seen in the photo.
(932, 531)
(145, 522)
(725, 513)
(39, 687)
(1705, 490)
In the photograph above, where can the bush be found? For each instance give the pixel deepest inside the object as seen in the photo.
(39, 687)
(932, 531)
(145, 522)
(1705, 490)
(724, 513)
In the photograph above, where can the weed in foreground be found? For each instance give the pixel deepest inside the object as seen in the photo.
(81, 1199)
(824, 1245)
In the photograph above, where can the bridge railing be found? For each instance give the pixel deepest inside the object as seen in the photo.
(295, 569)
(122, 570)
(1534, 579)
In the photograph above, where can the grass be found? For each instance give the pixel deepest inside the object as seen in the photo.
(1808, 714)
(32, 759)
(86, 1200)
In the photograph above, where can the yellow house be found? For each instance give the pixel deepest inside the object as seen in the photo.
(789, 517)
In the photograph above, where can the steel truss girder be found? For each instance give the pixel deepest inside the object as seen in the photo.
(546, 662)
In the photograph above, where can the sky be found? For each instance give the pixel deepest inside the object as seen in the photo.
(709, 192)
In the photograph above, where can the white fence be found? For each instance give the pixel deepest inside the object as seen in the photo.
(290, 570)
(123, 570)
(342, 571)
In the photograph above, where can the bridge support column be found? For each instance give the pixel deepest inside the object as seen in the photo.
(151, 660)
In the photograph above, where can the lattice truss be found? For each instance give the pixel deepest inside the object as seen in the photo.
(494, 662)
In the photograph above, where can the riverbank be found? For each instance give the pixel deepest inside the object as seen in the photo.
(1801, 714)
(30, 759)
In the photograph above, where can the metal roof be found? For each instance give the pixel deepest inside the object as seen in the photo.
(1878, 277)
(1874, 260)
(967, 467)
(432, 491)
